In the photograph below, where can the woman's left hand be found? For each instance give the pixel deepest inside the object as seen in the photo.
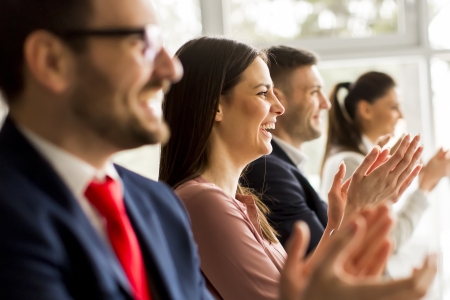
(437, 168)
(337, 198)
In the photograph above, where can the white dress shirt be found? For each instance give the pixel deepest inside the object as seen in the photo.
(76, 174)
(297, 156)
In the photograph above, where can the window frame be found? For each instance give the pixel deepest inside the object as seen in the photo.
(407, 35)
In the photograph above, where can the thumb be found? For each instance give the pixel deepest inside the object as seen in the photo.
(297, 244)
(344, 243)
(338, 177)
(441, 153)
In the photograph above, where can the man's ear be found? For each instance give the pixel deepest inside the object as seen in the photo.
(365, 110)
(48, 60)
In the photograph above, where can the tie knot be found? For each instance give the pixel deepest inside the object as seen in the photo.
(106, 197)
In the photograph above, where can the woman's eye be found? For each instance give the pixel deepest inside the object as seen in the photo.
(263, 93)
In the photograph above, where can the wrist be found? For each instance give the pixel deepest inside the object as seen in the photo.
(331, 226)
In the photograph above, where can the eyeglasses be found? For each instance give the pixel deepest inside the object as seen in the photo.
(150, 34)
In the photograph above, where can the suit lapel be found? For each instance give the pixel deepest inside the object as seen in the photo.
(21, 154)
(151, 238)
(312, 198)
(278, 152)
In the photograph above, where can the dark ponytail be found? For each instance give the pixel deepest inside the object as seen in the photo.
(344, 132)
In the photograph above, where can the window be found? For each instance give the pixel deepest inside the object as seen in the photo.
(279, 20)
(181, 21)
(324, 25)
(439, 13)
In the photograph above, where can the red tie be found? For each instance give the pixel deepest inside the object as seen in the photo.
(106, 197)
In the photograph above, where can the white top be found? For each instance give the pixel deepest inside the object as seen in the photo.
(76, 174)
(296, 155)
(407, 218)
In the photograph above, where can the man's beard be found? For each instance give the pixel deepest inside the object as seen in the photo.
(299, 129)
(93, 103)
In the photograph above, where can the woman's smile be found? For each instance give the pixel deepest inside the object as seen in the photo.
(264, 127)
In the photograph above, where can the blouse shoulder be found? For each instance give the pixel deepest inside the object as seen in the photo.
(196, 190)
(197, 186)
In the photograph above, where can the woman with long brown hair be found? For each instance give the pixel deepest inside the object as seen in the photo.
(197, 155)
(220, 115)
(369, 111)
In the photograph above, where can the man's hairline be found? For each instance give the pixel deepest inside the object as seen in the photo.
(288, 74)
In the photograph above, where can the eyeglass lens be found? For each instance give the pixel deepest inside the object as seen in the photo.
(153, 36)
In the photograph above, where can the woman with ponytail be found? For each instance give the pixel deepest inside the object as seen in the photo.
(356, 122)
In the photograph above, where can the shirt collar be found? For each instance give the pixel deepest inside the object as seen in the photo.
(76, 173)
(366, 144)
(296, 155)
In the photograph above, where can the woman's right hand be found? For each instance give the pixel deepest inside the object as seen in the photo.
(381, 178)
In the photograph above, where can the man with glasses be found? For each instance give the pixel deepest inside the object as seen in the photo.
(80, 78)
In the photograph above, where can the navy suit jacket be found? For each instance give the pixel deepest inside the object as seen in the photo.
(50, 251)
(288, 195)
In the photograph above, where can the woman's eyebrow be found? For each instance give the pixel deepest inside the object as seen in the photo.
(267, 85)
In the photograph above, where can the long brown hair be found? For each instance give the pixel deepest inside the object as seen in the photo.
(344, 132)
(212, 67)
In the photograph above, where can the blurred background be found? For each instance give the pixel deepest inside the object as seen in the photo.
(408, 39)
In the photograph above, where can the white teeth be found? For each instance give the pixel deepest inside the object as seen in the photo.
(268, 126)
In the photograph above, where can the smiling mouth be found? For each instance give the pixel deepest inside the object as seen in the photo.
(266, 127)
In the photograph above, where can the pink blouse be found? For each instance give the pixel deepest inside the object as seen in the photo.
(237, 262)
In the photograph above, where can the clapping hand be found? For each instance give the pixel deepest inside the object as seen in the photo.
(437, 168)
(327, 277)
(381, 177)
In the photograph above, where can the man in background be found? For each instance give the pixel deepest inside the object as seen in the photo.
(279, 175)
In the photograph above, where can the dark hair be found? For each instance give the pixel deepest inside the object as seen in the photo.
(212, 67)
(19, 18)
(344, 133)
(283, 60)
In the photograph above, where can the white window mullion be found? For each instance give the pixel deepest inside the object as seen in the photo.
(213, 17)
